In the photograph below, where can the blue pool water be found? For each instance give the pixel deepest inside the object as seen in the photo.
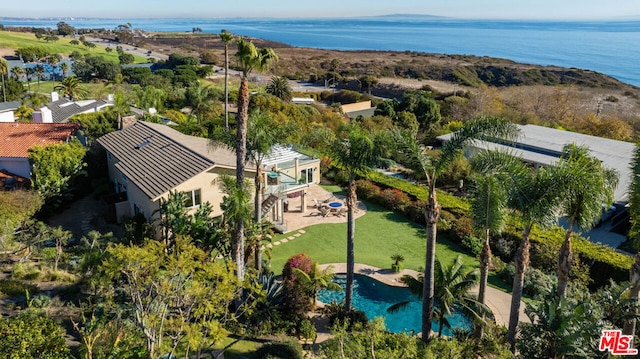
(374, 298)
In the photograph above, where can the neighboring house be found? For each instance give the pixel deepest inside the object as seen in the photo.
(542, 146)
(7, 110)
(17, 138)
(60, 110)
(148, 161)
(358, 109)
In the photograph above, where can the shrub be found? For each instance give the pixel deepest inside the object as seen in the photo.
(394, 199)
(461, 228)
(32, 335)
(298, 296)
(25, 271)
(366, 189)
(472, 244)
(13, 288)
(286, 349)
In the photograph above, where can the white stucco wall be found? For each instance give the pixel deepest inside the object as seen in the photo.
(7, 116)
(17, 165)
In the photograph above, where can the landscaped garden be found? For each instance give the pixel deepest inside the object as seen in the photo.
(380, 233)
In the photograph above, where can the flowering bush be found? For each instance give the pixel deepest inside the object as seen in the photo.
(394, 199)
(298, 294)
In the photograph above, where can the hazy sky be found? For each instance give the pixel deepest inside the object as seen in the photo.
(492, 9)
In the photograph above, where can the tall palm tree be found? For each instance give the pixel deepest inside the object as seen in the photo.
(70, 87)
(249, 58)
(453, 286)
(64, 67)
(280, 88)
(4, 70)
(354, 151)
(17, 72)
(535, 196)
(262, 134)
(589, 185)
(488, 205)
(53, 60)
(29, 71)
(432, 168)
(226, 38)
(39, 71)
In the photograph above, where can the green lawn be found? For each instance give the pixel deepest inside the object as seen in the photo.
(15, 40)
(379, 234)
(94, 90)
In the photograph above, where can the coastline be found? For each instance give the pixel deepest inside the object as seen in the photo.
(607, 47)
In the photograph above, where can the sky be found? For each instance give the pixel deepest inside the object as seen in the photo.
(473, 9)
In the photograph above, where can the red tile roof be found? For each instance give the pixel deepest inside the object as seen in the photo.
(16, 138)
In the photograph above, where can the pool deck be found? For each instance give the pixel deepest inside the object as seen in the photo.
(499, 302)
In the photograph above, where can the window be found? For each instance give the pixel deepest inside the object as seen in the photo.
(193, 198)
(306, 175)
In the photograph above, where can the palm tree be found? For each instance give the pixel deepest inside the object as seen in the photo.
(317, 279)
(561, 327)
(262, 134)
(29, 71)
(70, 87)
(53, 60)
(453, 287)
(226, 38)
(200, 99)
(588, 186)
(4, 70)
(354, 151)
(64, 67)
(236, 203)
(488, 205)
(280, 88)
(17, 72)
(249, 58)
(39, 71)
(432, 168)
(634, 235)
(535, 196)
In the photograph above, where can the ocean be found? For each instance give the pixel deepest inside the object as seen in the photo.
(609, 47)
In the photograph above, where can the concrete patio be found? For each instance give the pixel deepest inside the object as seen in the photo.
(296, 217)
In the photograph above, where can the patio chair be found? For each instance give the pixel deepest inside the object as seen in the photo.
(317, 203)
(341, 212)
(324, 211)
(330, 199)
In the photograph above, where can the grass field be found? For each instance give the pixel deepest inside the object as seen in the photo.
(15, 40)
(379, 234)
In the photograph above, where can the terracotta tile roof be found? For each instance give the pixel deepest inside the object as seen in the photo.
(16, 138)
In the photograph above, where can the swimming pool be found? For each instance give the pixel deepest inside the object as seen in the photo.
(374, 298)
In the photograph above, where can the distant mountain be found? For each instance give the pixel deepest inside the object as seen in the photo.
(407, 17)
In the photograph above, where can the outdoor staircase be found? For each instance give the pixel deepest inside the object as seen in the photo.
(268, 203)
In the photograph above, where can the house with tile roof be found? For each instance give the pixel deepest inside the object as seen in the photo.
(17, 138)
(147, 161)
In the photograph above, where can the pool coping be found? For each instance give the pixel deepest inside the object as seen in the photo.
(499, 302)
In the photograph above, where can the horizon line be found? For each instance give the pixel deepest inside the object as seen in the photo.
(430, 16)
